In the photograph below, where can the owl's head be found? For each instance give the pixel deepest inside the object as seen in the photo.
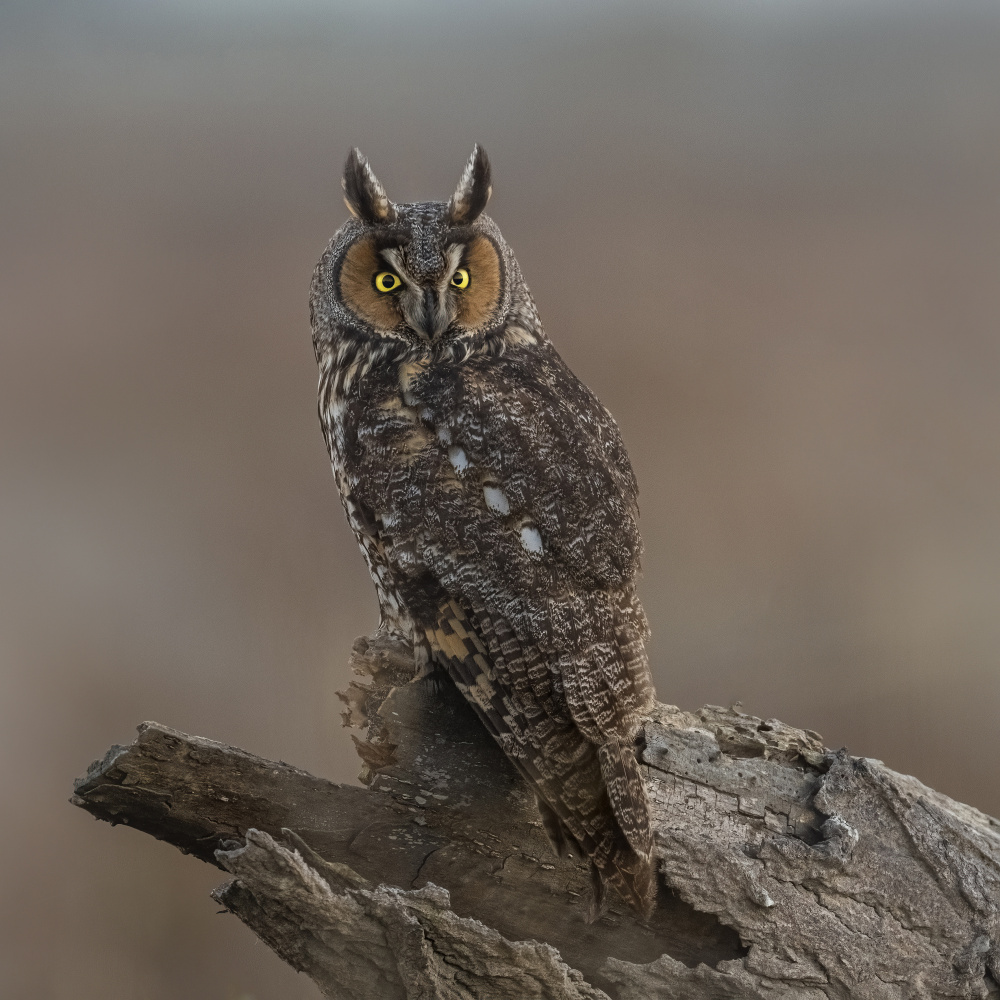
(426, 274)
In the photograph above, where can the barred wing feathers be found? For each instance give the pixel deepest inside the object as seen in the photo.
(590, 795)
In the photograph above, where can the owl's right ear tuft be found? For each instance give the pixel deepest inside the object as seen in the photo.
(474, 188)
(363, 193)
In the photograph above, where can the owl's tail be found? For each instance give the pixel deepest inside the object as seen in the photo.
(633, 878)
(630, 874)
(629, 866)
(618, 840)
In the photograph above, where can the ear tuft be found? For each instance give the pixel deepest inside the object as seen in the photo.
(474, 188)
(363, 194)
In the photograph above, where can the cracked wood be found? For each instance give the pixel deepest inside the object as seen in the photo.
(788, 870)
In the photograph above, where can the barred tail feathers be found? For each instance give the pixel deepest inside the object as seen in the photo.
(627, 792)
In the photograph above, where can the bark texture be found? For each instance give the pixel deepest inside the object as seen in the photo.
(788, 871)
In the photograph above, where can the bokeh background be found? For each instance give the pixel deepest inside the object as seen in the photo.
(766, 233)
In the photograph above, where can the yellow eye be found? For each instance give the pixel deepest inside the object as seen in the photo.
(460, 279)
(386, 281)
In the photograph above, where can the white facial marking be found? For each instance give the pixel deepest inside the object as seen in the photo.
(531, 540)
(458, 458)
(444, 434)
(453, 255)
(396, 263)
(496, 500)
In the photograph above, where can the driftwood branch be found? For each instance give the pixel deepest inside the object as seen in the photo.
(789, 871)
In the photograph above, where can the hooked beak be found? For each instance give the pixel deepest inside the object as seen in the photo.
(431, 315)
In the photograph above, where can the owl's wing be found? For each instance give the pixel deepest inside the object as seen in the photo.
(506, 507)
(591, 795)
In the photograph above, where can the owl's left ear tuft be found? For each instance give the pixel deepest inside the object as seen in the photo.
(363, 193)
(474, 188)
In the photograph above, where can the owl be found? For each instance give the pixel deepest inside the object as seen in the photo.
(494, 503)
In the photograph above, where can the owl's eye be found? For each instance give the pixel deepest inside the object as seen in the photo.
(386, 281)
(460, 279)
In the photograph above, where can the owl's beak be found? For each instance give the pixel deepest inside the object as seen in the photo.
(427, 310)
(434, 318)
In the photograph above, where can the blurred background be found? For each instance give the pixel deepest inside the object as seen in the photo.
(766, 233)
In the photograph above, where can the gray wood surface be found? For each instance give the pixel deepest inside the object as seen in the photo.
(788, 871)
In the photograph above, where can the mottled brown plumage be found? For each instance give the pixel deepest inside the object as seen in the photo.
(494, 502)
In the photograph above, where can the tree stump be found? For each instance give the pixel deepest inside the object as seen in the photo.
(787, 870)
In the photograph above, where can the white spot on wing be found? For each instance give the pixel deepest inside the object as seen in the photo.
(531, 540)
(458, 458)
(496, 500)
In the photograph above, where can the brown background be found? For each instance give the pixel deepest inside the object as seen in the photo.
(766, 234)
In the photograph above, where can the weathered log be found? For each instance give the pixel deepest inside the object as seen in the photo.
(788, 870)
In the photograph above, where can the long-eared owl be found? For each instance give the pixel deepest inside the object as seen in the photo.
(494, 502)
